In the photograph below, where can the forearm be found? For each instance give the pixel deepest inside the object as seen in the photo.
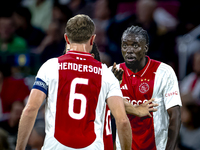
(116, 105)
(130, 109)
(125, 134)
(25, 127)
(173, 130)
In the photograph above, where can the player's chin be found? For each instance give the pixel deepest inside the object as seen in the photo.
(130, 62)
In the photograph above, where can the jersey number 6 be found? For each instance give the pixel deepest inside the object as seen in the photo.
(79, 96)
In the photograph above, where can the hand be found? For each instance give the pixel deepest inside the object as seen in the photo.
(117, 72)
(145, 108)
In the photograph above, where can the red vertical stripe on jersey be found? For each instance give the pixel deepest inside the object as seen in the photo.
(140, 89)
(107, 133)
(74, 122)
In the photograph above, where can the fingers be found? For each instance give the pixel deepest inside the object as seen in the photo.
(125, 99)
(114, 67)
(118, 72)
(149, 115)
(149, 101)
(152, 109)
(114, 64)
(121, 71)
(152, 105)
(115, 71)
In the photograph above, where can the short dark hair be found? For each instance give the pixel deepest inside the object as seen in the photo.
(95, 51)
(80, 28)
(137, 31)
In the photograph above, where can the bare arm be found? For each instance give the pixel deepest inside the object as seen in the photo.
(174, 127)
(28, 117)
(116, 106)
(140, 110)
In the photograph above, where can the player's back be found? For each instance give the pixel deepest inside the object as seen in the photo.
(75, 107)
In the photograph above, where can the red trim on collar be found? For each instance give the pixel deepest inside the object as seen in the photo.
(141, 72)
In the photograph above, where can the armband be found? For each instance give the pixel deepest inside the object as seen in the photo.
(40, 85)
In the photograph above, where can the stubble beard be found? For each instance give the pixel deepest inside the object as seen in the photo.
(132, 66)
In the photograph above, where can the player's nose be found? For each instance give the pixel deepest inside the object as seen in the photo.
(130, 50)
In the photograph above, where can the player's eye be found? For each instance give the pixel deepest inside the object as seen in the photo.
(124, 46)
(135, 45)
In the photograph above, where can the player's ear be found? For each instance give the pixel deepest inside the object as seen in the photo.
(66, 38)
(92, 39)
(146, 48)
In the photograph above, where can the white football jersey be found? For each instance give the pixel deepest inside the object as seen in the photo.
(77, 86)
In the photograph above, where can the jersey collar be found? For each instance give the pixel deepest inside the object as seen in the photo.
(141, 72)
(79, 53)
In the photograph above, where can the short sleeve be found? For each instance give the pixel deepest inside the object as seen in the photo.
(43, 72)
(113, 84)
(171, 92)
(41, 82)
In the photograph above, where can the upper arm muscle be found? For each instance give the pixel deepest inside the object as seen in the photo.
(36, 99)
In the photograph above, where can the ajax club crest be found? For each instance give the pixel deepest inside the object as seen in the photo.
(144, 87)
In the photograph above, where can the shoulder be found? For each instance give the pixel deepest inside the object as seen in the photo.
(52, 61)
(107, 73)
(104, 66)
(165, 68)
(48, 70)
(166, 74)
(50, 64)
(106, 69)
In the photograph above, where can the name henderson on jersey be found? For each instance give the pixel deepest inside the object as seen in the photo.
(79, 67)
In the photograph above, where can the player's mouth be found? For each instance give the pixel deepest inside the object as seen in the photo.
(130, 58)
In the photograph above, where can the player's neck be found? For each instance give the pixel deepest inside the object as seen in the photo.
(80, 47)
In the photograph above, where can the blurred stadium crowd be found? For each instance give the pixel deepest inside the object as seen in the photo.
(31, 32)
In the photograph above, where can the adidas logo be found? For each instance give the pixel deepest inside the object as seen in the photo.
(124, 87)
